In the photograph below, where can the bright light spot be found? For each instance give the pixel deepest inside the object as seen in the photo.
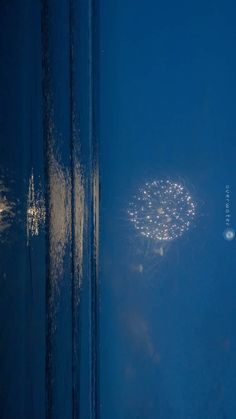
(229, 234)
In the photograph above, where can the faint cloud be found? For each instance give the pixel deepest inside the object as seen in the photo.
(138, 268)
(130, 372)
(139, 333)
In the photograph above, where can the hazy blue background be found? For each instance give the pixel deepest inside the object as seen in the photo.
(167, 109)
(165, 100)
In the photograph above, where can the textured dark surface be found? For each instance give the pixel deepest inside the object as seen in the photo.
(48, 202)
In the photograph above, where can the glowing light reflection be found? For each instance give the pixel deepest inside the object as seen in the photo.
(6, 209)
(36, 212)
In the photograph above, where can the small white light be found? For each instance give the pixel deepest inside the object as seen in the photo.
(229, 234)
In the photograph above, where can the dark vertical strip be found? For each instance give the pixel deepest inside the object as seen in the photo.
(93, 261)
(94, 48)
(74, 305)
(91, 224)
(47, 134)
(92, 221)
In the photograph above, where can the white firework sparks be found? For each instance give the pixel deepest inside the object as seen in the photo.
(162, 210)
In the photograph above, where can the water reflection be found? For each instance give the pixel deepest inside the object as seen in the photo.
(36, 212)
(6, 209)
(80, 215)
(60, 215)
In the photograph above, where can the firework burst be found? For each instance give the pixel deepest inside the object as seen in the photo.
(162, 210)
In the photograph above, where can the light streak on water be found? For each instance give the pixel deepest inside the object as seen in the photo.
(60, 215)
(80, 216)
(6, 209)
(36, 212)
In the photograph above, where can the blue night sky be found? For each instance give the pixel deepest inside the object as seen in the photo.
(167, 111)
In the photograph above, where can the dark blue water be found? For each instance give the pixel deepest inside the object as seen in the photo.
(48, 212)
